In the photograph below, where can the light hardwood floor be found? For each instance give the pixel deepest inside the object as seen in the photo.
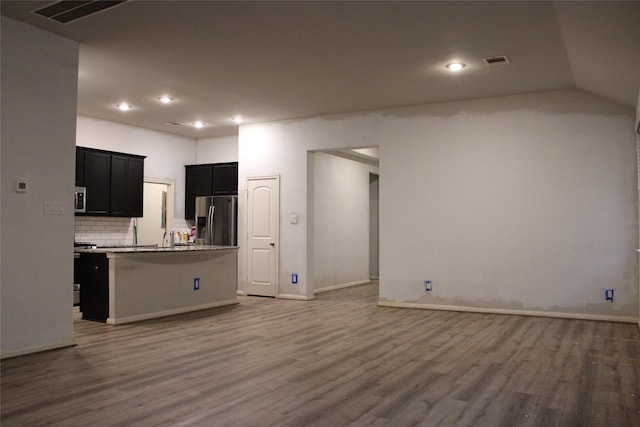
(338, 360)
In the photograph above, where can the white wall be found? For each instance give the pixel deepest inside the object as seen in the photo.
(166, 154)
(39, 92)
(217, 150)
(340, 221)
(522, 203)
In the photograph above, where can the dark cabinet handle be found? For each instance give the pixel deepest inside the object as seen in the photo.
(272, 244)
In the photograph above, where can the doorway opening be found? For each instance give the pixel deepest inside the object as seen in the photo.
(342, 235)
(154, 226)
(374, 239)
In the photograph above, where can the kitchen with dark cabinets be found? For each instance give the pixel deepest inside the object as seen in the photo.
(114, 182)
(212, 179)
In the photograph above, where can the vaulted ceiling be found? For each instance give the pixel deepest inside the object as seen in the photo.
(280, 60)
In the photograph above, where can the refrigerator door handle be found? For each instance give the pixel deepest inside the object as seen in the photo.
(210, 227)
(232, 222)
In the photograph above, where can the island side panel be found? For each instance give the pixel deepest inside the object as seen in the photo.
(148, 285)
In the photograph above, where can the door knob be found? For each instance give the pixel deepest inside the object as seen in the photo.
(272, 244)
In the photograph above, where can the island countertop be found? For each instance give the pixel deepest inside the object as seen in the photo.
(152, 248)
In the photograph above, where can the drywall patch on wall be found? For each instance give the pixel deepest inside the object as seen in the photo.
(531, 206)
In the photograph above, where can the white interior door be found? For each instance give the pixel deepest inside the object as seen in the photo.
(262, 239)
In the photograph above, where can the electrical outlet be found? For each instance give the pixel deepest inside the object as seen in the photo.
(428, 286)
(608, 295)
(196, 283)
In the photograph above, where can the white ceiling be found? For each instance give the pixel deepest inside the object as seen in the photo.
(281, 60)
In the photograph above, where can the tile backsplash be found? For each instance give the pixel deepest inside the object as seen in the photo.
(108, 231)
(104, 230)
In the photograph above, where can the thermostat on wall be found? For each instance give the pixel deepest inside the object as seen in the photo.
(21, 186)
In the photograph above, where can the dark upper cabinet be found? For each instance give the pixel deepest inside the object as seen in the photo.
(198, 182)
(127, 181)
(213, 179)
(79, 168)
(114, 182)
(225, 179)
(97, 176)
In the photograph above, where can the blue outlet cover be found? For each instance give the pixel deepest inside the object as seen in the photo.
(294, 278)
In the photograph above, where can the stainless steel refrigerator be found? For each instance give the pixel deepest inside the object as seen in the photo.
(216, 220)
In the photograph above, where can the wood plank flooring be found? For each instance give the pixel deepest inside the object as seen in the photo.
(336, 361)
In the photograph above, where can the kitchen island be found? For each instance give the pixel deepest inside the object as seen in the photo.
(127, 284)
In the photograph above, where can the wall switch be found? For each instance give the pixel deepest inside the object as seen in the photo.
(428, 286)
(293, 219)
(53, 208)
(294, 278)
(196, 283)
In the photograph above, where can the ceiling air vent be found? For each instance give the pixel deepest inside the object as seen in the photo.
(68, 11)
(496, 60)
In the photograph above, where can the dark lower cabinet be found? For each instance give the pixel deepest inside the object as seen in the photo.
(94, 287)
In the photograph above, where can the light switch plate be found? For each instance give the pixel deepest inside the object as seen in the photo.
(21, 186)
(53, 208)
(293, 219)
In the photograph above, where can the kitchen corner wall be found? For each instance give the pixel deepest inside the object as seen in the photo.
(39, 93)
(520, 204)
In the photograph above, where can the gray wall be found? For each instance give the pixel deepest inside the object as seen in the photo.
(39, 92)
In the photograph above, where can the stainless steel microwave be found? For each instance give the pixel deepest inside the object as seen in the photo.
(80, 200)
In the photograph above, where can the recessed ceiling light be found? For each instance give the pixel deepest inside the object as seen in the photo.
(238, 119)
(198, 124)
(123, 106)
(456, 66)
(165, 99)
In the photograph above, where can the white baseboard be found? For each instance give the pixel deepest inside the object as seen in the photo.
(295, 297)
(557, 314)
(139, 317)
(239, 292)
(341, 286)
(37, 348)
